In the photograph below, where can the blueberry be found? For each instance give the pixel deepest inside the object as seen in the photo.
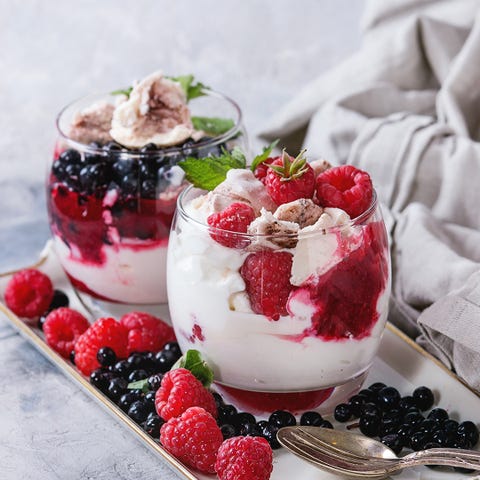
(418, 440)
(72, 357)
(412, 419)
(470, 431)
(218, 399)
(326, 424)
(441, 437)
(427, 425)
(438, 414)
(404, 431)
(124, 167)
(393, 442)
(152, 426)
(112, 147)
(165, 360)
(127, 399)
(92, 177)
(58, 169)
(106, 356)
(228, 431)
(148, 189)
(423, 397)
(122, 368)
(406, 403)
(226, 414)
(92, 157)
(376, 387)
(116, 388)
(148, 168)
(70, 156)
(313, 419)
(250, 429)
(137, 375)
(100, 379)
(282, 418)
(135, 361)
(343, 412)
(450, 426)
(60, 299)
(388, 397)
(269, 433)
(370, 395)
(356, 403)
(173, 347)
(243, 418)
(149, 400)
(138, 411)
(369, 424)
(154, 381)
(149, 147)
(41, 321)
(370, 409)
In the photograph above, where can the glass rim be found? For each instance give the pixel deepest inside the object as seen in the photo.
(361, 219)
(167, 151)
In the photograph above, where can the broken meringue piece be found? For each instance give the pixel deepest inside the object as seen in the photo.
(320, 165)
(156, 112)
(278, 233)
(302, 211)
(92, 124)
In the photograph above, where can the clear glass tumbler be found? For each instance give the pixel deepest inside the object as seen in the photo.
(327, 337)
(110, 208)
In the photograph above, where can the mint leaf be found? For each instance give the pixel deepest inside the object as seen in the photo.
(264, 155)
(141, 384)
(213, 125)
(124, 91)
(192, 360)
(208, 172)
(192, 90)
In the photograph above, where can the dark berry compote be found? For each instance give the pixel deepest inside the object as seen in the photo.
(114, 180)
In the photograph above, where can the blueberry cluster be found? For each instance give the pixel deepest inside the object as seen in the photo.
(114, 375)
(110, 167)
(60, 299)
(233, 423)
(400, 423)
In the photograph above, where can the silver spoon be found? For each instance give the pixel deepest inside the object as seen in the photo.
(359, 456)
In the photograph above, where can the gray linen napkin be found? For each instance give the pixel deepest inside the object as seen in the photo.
(406, 108)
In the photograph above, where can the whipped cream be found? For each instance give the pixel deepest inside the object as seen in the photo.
(156, 112)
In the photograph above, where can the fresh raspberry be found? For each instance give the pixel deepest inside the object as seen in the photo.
(289, 179)
(62, 328)
(29, 293)
(180, 389)
(267, 279)
(261, 170)
(345, 187)
(244, 458)
(194, 438)
(105, 332)
(146, 333)
(235, 218)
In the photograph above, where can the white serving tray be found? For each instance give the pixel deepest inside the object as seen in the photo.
(400, 363)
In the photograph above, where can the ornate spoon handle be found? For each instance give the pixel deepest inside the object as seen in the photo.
(444, 456)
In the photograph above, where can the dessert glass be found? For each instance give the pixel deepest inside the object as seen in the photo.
(110, 208)
(307, 359)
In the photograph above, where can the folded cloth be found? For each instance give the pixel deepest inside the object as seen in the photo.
(406, 108)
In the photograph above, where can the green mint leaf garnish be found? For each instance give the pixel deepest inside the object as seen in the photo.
(264, 155)
(140, 384)
(208, 172)
(213, 125)
(191, 89)
(192, 360)
(124, 91)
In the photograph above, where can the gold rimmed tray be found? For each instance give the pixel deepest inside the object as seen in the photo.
(400, 362)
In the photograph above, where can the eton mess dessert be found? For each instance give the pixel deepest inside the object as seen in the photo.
(114, 180)
(279, 275)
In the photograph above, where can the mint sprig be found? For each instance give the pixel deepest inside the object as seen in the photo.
(123, 91)
(192, 89)
(208, 172)
(192, 360)
(264, 155)
(213, 125)
(139, 384)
